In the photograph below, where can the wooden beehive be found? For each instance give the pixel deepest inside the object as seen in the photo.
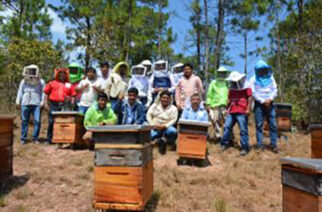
(283, 117)
(68, 127)
(6, 142)
(192, 139)
(302, 187)
(316, 140)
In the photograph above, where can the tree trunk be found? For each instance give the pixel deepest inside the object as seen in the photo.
(88, 41)
(300, 11)
(206, 43)
(279, 65)
(245, 51)
(129, 32)
(220, 30)
(160, 29)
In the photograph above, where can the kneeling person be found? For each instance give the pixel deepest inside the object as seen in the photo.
(99, 114)
(130, 111)
(195, 112)
(163, 115)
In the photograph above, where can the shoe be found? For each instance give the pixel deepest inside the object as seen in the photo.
(223, 148)
(59, 146)
(259, 147)
(244, 152)
(162, 146)
(275, 150)
(173, 147)
(36, 141)
(23, 142)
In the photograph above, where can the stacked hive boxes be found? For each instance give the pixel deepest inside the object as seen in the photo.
(6, 141)
(123, 167)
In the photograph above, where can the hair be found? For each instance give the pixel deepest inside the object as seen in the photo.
(88, 69)
(102, 95)
(165, 92)
(105, 63)
(195, 95)
(133, 90)
(188, 65)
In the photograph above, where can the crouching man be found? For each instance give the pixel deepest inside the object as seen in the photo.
(99, 114)
(163, 115)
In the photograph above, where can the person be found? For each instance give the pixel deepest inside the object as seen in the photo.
(163, 115)
(116, 85)
(99, 114)
(59, 94)
(75, 76)
(130, 111)
(140, 81)
(217, 97)
(161, 79)
(30, 99)
(264, 92)
(188, 85)
(89, 87)
(196, 111)
(105, 71)
(148, 65)
(239, 101)
(177, 73)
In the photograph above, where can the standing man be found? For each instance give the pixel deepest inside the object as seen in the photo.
(217, 97)
(116, 85)
(75, 76)
(188, 85)
(30, 99)
(264, 92)
(105, 72)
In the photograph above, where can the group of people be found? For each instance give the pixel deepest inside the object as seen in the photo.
(151, 94)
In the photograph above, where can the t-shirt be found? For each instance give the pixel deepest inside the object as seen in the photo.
(58, 91)
(89, 94)
(238, 100)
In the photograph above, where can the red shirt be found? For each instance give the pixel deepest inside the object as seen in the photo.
(238, 100)
(57, 91)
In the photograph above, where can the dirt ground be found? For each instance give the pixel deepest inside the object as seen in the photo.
(47, 179)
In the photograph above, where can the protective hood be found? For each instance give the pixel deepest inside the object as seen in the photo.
(58, 70)
(138, 71)
(263, 73)
(31, 71)
(177, 68)
(221, 73)
(236, 80)
(75, 72)
(148, 65)
(160, 68)
(116, 68)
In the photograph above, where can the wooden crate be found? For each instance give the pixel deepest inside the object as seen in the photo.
(6, 149)
(192, 139)
(302, 187)
(123, 154)
(283, 117)
(122, 188)
(316, 140)
(68, 128)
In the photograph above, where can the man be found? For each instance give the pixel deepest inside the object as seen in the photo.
(148, 65)
(116, 85)
(217, 97)
(99, 114)
(188, 85)
(105, 72)
(177, 73)
(239, 101)
(163, 115)
(130, 111)
(264, 92)
(89, 87)
(30, 99)
(196, 111)
(75, 76)
(59, 92)
(140, 81)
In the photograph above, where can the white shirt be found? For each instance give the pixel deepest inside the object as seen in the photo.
(89, 95)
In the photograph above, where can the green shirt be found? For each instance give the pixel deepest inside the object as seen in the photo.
(94, 116)
(217, 94)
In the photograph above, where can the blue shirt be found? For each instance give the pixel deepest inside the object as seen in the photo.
(198, 115)
(130, 118)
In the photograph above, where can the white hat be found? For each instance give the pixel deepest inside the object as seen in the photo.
(177, 65)
(165, 68)
(222, 69)
(235, 76)
(146, 62)
(30, 71)
(140, 66)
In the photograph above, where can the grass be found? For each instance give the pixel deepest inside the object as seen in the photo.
(2, 200)
(220, 205)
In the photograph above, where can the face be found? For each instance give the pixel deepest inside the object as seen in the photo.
(263, 72)
(91, 75)
(187, 71)
(178, 70)
(102, 103)
(195, 102)
(73, 70)
(165, 100)
(123, 70)
(62, 76)
(160, 67)
(32, 71)
(104, 70)
(132, 98)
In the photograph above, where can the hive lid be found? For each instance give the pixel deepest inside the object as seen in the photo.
(6, 117)
(66, 113)
(305, 163)
(315, 126)
(192, 122)
(120, 128)
(283, 104)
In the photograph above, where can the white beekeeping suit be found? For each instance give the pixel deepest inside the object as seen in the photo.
(148, 65)
(177, 73)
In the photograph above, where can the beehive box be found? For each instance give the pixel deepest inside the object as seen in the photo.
(302, 184)
(6, 142)
(68, 127)
(123, 176)
(283, 117)
(192, 139)
(316, 140)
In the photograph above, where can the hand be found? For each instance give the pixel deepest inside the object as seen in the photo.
(18, 106)
(247, 112)
(160, 127)
(46, 106)
(121, 96)
(208, 108)
(267, 103)
(85, 86)
(95, 88)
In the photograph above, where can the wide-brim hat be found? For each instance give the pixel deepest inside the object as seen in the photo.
(235, 76)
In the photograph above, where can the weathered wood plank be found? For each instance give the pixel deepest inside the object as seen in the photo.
(6, 139)
(121, 138)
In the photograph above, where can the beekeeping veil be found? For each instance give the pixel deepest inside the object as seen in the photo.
(177, 72)
(236, 80)
(75, 72)
(222, 73)
(148, 65)
(139, 77)
(160, 68)
(31, 74)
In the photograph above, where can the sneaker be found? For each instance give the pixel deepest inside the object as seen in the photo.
(244, 152)
(23, 142)
(36, 141)
(275, 150)
(259, 147)
(162, 146)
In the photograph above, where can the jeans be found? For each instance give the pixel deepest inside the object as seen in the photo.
(53, 106)
(82, 109)
(231, 120)
(170, 134)
(113, 102)
(261, 112)
(26, 111)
